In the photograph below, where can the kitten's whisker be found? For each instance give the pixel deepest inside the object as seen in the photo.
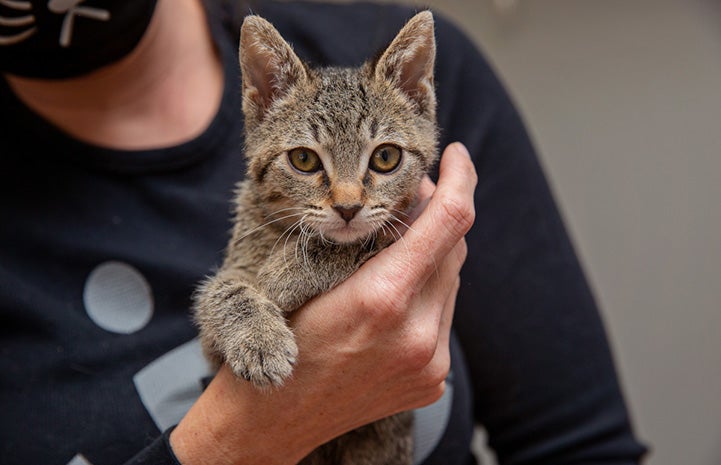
(264, 225)
(369, 237)
(298, 224)
(299, 244)
(284, 210)
(325, 240)
(382, 227)
(288, 231)
(370, 241)
(435, 265)
(403, 241)
(405, 225)
(400, 212)
(386, 231)
(392, 230)
(308, 236)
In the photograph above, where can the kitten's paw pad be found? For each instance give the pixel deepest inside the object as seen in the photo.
(265, 359)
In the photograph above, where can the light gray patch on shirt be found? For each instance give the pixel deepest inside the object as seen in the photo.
(79, 459)
(430, 423)
(171, 384)
(118, 298)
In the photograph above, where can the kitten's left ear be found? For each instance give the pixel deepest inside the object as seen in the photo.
(408, 61)
(269, 66)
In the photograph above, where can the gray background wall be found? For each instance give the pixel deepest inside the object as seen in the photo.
(623, 99)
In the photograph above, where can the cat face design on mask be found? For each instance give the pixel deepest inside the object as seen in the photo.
(67, 38)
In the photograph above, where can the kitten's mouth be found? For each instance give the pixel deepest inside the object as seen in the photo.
(347, 234)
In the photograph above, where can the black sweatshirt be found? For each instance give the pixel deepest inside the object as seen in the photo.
(100, 251)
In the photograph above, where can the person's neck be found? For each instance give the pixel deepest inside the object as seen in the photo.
(163, 93)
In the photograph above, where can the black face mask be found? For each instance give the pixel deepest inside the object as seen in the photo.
(67, 38)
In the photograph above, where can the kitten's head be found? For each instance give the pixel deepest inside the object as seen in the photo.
(342, 149)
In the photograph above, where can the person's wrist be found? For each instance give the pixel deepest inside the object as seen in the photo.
(235, 423)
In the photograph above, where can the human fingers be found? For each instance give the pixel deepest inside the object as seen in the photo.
(449, 309)
(429, 383)
(433, 312)
(429, 303)
(445, 220)
(442, 359)
(450, 210)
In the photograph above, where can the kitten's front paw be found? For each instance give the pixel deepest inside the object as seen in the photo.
(264, 356)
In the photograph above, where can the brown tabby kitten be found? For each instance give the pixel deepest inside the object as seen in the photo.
(335, 156)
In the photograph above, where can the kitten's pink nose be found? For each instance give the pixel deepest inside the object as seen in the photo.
(347, 212)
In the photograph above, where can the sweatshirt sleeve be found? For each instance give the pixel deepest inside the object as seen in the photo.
(158, 452)
(545, 386)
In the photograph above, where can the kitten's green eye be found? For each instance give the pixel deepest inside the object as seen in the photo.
(305, 160)
(385, 158)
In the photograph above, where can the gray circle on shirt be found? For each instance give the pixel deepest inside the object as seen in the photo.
(118, 298)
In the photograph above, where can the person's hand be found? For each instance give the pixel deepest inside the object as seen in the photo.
(375, 345)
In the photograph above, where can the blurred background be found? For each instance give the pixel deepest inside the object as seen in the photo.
(623, 101)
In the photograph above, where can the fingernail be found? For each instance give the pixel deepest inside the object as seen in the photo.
(460, 148)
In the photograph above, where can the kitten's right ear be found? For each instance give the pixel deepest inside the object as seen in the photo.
(268, 65)
(409, 60)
